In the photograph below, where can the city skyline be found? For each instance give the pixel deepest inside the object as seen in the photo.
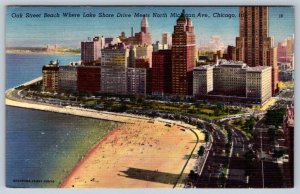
(220, 97)
(69, 32)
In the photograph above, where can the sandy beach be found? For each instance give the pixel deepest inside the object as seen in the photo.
(141, 153)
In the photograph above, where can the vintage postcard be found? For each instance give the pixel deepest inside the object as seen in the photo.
(150, 96)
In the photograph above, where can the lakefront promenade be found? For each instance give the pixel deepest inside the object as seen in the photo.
(141, 153)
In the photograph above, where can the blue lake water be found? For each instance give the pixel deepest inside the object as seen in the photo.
(21, 68)
(43, 147)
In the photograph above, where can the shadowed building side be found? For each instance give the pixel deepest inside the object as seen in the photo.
(162, 72)
(89, 79)
(183, 56)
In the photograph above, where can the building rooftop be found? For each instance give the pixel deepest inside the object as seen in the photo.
(144, 22)
(114, 47)
(204, 67)
(232, 64)
(257, 69)
(182, 16)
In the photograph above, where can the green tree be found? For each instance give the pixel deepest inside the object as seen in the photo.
(218, 109)
(193, 175)
(272, 133)
(275, 116)
(249, 124)
(206, 139)
(277, 154)
(140, 100)
(201, 151)
(238, 122)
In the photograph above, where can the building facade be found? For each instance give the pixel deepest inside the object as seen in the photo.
(202, 80)
(282, 54)
(114, 62)
(115, 56)
(253, 41)
(67, 78)
(229, 78)
(114, 80)
(287, 75)
(158, 46)
(141, 38)
(136, 81)
(233, 82)
(162, 72)
(144, 52)
(258, 80)
(166, 39)
(50, 76)
(91, 51)
(254, 46)
(89, 79)
(183, 56)
(142, 63)
(132, 56)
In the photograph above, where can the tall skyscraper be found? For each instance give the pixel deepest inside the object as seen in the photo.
(183, 56)
(144, 35)
(254, 46)
(254, 40)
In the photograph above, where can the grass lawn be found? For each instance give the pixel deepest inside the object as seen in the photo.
(90, 102)
(207, 111)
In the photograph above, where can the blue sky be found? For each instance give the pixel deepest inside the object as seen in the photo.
(71, 31)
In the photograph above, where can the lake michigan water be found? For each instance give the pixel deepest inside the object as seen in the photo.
(43, 147)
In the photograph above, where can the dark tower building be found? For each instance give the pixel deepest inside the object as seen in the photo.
(162, 74)
(132, 56)
(183, 56)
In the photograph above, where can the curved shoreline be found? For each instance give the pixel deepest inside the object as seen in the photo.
(127, 119)
(90, 152)
(122, 118)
